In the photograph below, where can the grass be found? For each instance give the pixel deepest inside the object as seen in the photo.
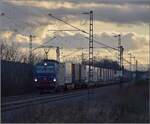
(126, 105)
(134, 105)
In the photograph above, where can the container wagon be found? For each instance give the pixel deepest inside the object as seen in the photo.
(51, 74)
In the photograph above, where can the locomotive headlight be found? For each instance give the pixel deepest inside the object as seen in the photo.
(35, 80)
(54, 79)
(45, 64)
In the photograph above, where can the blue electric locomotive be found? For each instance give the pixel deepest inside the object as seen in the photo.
(45, 74)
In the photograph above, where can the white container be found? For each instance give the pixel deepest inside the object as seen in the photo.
(83, 73)
(68, 73)
(98, 74)
(87, 73)
(76, 79)
(104, 74)
(60, 79)
(110, 74)
(95, 73)
(113, 74)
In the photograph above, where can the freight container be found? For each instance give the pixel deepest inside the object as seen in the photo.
(68, 73)
(61, 75)
(104, 74)
(110, 74)
(107, 73)
(106, 78)
(87, 74)
(113, 74)
(98, 74)
(101, 73)
(75, 73)
(68, 76)
(82, 73)
(95, 74)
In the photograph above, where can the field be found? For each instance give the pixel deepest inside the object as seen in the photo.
(130, 104)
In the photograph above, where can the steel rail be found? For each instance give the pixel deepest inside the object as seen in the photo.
(46, 99)
(34, 101)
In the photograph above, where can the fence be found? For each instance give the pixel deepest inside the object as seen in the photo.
(16, 78)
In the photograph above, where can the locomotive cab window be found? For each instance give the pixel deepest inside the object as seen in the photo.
(43, 69)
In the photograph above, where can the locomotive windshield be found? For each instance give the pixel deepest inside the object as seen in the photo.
(45, 69)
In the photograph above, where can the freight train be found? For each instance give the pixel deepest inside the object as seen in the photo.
(51, 74)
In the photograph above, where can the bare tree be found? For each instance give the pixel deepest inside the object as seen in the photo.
(9, 52)
(13, 53)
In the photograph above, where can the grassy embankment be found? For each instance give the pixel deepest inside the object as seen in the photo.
(126, 105)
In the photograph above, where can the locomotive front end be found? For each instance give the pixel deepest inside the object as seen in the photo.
(45, 75)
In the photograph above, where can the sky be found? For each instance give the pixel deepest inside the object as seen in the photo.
(130, 18)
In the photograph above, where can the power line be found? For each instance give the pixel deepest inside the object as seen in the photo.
(71, 53)
(107, 46)
(42, 45)
(78, 29)
(68, 24)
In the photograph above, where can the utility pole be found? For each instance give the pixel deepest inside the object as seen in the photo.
(82, 57)
(120, 55)
(58, 54)
(121, 49)
(91, 47)
(134, 63)
(130, 64)
(30, 48)
(136, 68)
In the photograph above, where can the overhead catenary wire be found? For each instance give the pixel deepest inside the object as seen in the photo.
(77, 29)
(51, 15)
(107, 46)
(68, 23)
(71, 53)
(42, 45)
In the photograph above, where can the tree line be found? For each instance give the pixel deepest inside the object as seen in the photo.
(12, 52)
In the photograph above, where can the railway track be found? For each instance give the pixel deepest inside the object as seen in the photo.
(40, 100)
(45, 99)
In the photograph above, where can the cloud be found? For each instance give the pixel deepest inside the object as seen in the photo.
(130, 41)
(31, 17)
(124, 12)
